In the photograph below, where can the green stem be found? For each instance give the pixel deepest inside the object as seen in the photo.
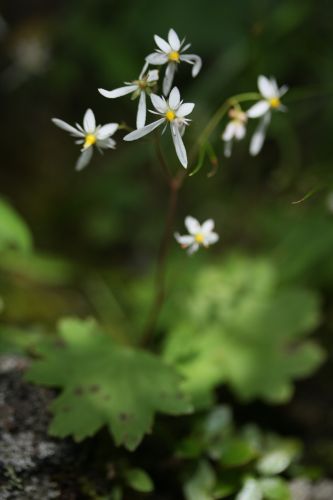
(219, 114)
(161, 268)
(175, 184)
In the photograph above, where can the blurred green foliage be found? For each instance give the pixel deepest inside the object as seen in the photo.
(243, 462)
(241, 327)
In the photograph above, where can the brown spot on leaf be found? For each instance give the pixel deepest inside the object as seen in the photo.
(124, 417)
(94, 388)
(78, 391)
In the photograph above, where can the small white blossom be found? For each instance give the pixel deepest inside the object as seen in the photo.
(271, 94)
(172, 111)
(171, 52)
(89, 135)
(144, 84)
(235, 129)
(271, 97)
(199, 235)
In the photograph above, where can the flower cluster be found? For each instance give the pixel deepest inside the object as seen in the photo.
(236, 128)
(169, 107)
(173, 113)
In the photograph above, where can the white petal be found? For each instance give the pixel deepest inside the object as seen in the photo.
(179, 145)
(84, 159)
(173, 40)
(229, 131)
(67, 127)
(240, 131)
(259, 135)
(193, 59)
(162, 44)
(283, 90)
(258, 109)
(207, 227)
(182, 128)
(274, 87)
(107, 143)
(192, 225)
(157, 59)
(107, 130)
(141, 132)
(144, 69)
(174, 98)
(193, 248)
(185, 109)
(153, 75)
(168, 77)
(89, 122)
(185, 240)
(111, 94)
(187, 46)
(141, 115)
(228, 148)
(159, 103)
(165, 127)
(211, 238)
(266, 87)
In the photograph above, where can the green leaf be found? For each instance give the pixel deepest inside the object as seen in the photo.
(19, 341)
(278, 460)
(223, 489)
(237, 452)
(104, 383)
(200, 486)
(242, 328)
(218, 423)
(250, 491)
(139, 480)
(275, 489)
(14, 233)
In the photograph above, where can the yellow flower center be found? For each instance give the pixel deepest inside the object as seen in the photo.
(170, 115)
(174, 56)
(199, 238)
(275, 102)
(89, 141)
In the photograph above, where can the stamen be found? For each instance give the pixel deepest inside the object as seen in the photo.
(199, 238)
(142, 84)
(275, 102)
(170, 115)
(89, 140)
(174, 56)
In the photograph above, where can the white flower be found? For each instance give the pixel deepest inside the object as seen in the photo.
(172, 53)
(89, 135)
(172, 111)
(271, 94)
(235, 129)
(144, 84)
(200, 235)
